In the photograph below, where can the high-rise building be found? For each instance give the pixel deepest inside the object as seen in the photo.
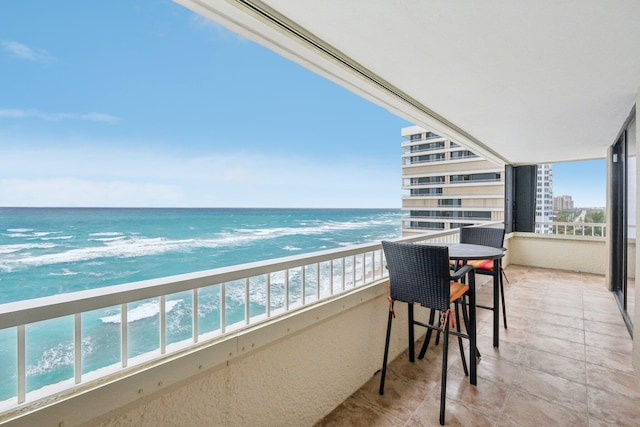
(544, 198)
(563, 202)
(447, 186)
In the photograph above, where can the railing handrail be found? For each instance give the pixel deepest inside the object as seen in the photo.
(37, 309)
(556, 226)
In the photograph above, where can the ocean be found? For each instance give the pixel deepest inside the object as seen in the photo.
(48, 251)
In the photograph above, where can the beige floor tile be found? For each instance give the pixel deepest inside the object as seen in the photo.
(400, 397)
(486, 397)
(562, 347)
(358, 413)
(613, 380)
(569, 331)
(609, 359)
(555, 364)
(613, 329)
(608, 342)
(522, 409)
(611, 316)
(553, 388)
(456, 414)
(612, 408)
(560, 319)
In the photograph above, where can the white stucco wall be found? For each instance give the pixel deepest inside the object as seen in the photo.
(293, 382)
(558, 252)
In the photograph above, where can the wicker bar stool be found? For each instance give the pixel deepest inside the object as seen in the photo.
(420, 274)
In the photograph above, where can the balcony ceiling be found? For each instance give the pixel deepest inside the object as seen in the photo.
(517, 81)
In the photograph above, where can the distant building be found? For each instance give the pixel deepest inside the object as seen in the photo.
(544, 198)
(561, 203)
(447, 186)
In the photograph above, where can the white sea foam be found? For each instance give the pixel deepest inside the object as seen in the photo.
(57, 238)
(65, 272)
(57, 357)
(112, 244)
(8, 249)
(108, 239)
(291, 248)
(18, 235)
(118, 249)
(142, 311)
(28, 233)
(94, 274)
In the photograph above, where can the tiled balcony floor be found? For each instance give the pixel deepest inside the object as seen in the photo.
(564, 361)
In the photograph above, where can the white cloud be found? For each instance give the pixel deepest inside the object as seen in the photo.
(216, 31)
(145, 178)
(55, 117)
(71, 192)
(23, 51)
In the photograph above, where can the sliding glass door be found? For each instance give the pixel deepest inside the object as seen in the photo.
(623, 221)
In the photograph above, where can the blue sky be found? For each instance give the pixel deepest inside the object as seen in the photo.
(584, 181)
(146, 104)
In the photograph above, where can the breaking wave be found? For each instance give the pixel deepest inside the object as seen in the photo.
(142, 311)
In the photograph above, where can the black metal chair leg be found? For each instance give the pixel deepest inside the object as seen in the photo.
(386, 352)
(423, 350)
(443, 387)
(438, 336)
(504, 308)
(463, 357)
(412, 348)
(465, 316)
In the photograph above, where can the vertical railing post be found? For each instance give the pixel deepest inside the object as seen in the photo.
(286, 289)
(77, 347)
(223, 308)
(196, 318)
(22, 363)
(317, 281)
(246, 301)
(331, 277)
(268, 302)
(353, 270)
(162, 323)
(373, 264)
(304, 285)
(124, 338)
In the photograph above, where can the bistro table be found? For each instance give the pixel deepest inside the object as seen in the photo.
(466, 252)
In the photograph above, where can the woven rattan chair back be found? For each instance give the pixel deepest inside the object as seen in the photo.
(486, 236)
(418, 274)
(493, 237)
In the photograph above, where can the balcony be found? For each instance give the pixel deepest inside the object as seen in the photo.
(297, 364)
(565, 360)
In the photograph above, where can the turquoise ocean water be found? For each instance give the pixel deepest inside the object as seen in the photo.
(48, 251)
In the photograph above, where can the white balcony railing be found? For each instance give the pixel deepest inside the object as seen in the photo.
(216, 302)
(585, 229)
